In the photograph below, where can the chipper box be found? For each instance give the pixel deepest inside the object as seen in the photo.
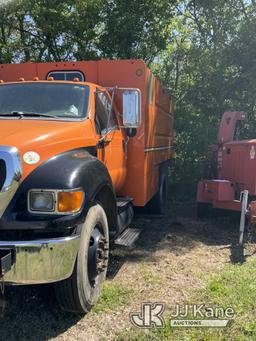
(81, 143)
(232, 182)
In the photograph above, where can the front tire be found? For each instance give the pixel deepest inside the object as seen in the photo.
(80, 292)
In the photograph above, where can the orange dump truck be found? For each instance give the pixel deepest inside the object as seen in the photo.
(81, 143)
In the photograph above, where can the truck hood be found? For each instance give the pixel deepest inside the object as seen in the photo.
(45, 138)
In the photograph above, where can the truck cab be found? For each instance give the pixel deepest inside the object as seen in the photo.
(73, 161)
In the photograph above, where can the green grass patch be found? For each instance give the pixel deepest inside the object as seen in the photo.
(234, 287)
(113, 296)
(150, 277)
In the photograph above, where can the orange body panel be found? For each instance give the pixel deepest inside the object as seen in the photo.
(47, 138)
(133, 163)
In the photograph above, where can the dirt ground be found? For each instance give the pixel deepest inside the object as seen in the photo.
(173, 257)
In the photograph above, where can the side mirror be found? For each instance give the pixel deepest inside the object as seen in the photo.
(132, 108)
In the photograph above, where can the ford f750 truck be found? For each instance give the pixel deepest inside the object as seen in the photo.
(81, 143)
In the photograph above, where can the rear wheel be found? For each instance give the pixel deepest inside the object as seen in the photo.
(80, 292)
(158, 204)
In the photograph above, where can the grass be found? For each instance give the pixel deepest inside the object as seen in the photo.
(150, 277)
(234, 287)
(113, 296)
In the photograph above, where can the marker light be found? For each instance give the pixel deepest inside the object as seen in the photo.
(70, 202)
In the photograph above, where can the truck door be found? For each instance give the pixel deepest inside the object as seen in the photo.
(112, 151)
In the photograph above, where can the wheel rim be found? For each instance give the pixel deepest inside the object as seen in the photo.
(97, 255)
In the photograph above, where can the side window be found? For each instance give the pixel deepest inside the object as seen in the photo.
(104, 118)
(66, 75)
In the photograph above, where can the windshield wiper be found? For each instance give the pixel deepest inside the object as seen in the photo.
(27, 114)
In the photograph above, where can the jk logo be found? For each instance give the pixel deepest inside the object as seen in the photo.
(150, 316)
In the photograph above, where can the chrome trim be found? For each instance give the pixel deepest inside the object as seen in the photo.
(139, 106)
(41, 261)
(11, 157)
(155, 149)
(55, 193)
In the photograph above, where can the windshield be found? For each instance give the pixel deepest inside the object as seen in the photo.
(49, 99)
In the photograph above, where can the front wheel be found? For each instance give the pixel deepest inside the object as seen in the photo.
(80, 292)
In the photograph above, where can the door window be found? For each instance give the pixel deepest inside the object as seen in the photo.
(104, 117)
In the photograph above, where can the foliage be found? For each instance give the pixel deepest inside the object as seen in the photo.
(209, 67)
(45, 30)
(203, 51)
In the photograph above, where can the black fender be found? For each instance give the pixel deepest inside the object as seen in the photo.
(69, 170)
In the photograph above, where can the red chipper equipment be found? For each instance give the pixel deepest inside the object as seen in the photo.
(232, 183)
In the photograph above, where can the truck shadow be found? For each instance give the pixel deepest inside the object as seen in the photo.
(31, 313)
(180, 231)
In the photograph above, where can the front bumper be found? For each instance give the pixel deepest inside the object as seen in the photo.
(41, 261)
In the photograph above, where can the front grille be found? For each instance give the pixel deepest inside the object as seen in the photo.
(2, 173)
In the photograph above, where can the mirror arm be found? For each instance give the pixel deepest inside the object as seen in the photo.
(102, 141)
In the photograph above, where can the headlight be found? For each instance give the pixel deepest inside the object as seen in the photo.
(55, 201)
(42, 201)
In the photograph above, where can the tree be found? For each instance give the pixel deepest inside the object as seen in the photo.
(45, 30)
(209, 68)
(134, 29)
